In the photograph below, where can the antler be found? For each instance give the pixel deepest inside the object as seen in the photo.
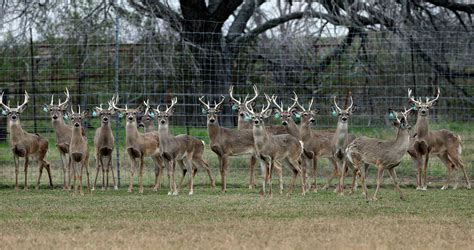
(335, 105)
(207, 104)
(217, 106)
(412, 99)
(268, 103)
(173, 102)
(273, 99)
(231, 91)
(310, 103)
(295, 103)
(147, 105)
(436, 98)
(3, 105)
(99, 108)
(255, 90)
(52, 99)
(61, 104)
(27, 97)
(114, 102)
(352, 103)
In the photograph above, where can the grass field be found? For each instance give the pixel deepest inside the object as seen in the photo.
(240, 218)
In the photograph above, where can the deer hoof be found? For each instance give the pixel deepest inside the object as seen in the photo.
(170, 193)
(468, 187)
(175, 193)
(374, 198)
(325, 187)
(444, 187)
(93, 189)
(115, 187)
(424, 188)
(103, 188)
(190, 193)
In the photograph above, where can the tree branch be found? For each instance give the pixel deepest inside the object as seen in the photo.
(158, 10)
(468, 8)
(225, 9)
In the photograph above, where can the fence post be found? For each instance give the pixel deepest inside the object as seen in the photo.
(33, 84)
(117, 120)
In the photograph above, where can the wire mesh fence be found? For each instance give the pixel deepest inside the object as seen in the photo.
(376, 67)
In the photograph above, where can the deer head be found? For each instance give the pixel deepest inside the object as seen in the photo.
(240, 105)
(211, 112)
(130, 114)
(147, 118)
(259, 117)
(307, 114)
(104, 114)
(163, 116)
(400, 118)
(287, 114)
(423, 107)
(13, 114)
(57, 110)
(77, 118)
(343, 114)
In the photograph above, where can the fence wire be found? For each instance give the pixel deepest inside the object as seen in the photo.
(377, 68)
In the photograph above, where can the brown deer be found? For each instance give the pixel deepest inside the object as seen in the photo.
(139, 145)
(79, 150)
(271, 149)
(63, 134)
(245, 122)
(384, 154)
(227, 142)
(178, 150)
(319, 143)
(340, 141)
(104, 145)
(24, 144)
(147, 122)
(443, 143)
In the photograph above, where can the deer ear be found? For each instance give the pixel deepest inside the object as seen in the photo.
(316, 111)
(85, 113)
(45, 108)
(267, 113)
(23, 108)
(253, 104)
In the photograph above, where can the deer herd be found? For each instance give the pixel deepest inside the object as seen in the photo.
(292, 145)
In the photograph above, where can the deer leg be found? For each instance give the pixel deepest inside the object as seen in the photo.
(80, 179)
(223, 169)
(315, 172)
(364, 180)
(97, 164)
(264, 170)
(188, 164)
(40, 167)
(354, 175)
(203, 164)
(342, 167)
(103, 166)
(279, 168)
(173, 179)
(158, 171)
(131, 173)
(449, 165)
(459, 163)
(26, 172)
(270, 170)
(64, 166)
(425, 171)
(393, 175)
(16, 159)
(183, 175)
(108, 168)
(48, 169)
(334, 174)
(86, 165)
(379, 181)
(141, 174)
(69, 166)
(253, 161)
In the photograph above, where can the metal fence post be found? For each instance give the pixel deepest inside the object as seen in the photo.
(117, 120)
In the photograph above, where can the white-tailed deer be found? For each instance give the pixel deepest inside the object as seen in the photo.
(443, 143)
(341, 140)
(147, 122)
(63, 134)
(104, 145)
(384, 154)
(24, 144)
(79, 150)
(271, 149)
(139, 145)
(319, 143)
(178, 150)
(227, 142)
(245, 122)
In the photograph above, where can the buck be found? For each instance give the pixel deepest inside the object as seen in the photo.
(226, 142)
(271, 149)
(178, 150)
(319, 143)
(340, 141)
(79, 150)
(24, 144)
(384, 154)
(139, 145)
(104, 145)
(147, 122)
(245, 122)
(63, 134)
(443, 143)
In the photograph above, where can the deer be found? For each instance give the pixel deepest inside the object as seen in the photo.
(443, 143)
(63, 133)
(226, 142)
(104, 145)
(79, 150)
(384, 154)
(24, 144)
(271, 149)
(147, 122)
(340, 141)
(316, 142)
(245, 122)
(178, 150)
(139, 145)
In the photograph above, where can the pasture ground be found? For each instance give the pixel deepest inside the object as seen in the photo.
(55, 218)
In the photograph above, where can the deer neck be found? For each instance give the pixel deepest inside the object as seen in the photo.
(105, 128)
(76, 133)
(213, 130)
(292, 129)
(131, 132)
(305, 131)
(402, 140)
(422, 126)
(16, 132)
(260, 136)
(150, 128)
(242, 123)
(341, 135)
(163, 131)
(60, 128)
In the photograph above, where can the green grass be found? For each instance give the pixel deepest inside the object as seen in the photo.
(238, 219)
